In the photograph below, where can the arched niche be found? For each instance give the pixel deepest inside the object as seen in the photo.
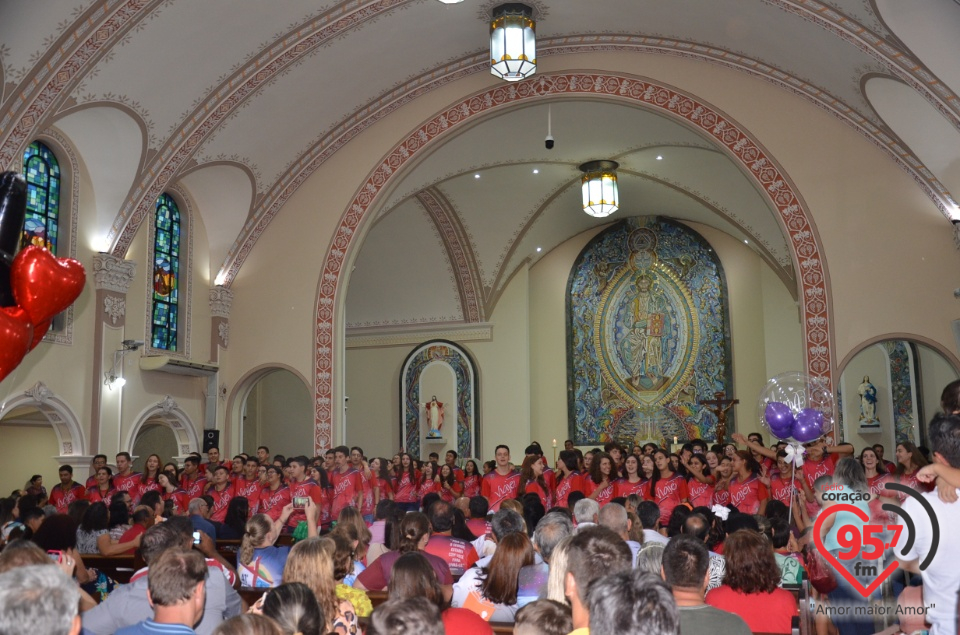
(42, 429)
(166, 412)
(442, 369)
(905, 375)
(271, 406)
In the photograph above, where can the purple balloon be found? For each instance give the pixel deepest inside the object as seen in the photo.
(808, 425)
(780, 419)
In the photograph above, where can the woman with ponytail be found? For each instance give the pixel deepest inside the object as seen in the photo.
(259, 562)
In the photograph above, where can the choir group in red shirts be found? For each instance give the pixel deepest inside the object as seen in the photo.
(697, 475)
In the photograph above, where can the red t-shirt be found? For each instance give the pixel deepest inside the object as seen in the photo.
(604, 497)
(180, 501)
(405, 488)
(129, 535)
(376, 577)
(307, 487)
(458, 554)
(386, 489)
(368, 484)
(91, 481)
(478, 526)
(623, 487)
(746, 495)
(721, 497)
(812, 471)
(221, 499)
(763, 612)
(667, 494)
(129, 483)
(94, 495)
(247, 489)
(61, 500)
(878, 487)
(195, 488)
(699, 494)
(272, 502)
(498, 487)
(534, 488)
(782, 489)
(465, 622)
(142, 488)
(571, 483)
(346, 486)
(471, 485)
(452, 493)
(426, 487)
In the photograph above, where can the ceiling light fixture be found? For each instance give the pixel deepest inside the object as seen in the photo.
(513, 42)
(601, 196)
(539, 249)
(535, 171)
(451, 1)
(659, 158)
(476, 176)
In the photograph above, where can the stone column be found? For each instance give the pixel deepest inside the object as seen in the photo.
(112, 277)
(221, 299)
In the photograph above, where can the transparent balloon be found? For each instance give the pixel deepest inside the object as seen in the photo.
(799, 392)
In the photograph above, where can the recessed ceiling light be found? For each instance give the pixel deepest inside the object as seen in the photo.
(476, 176)
(746, 242)
(659, 158)
(451, 1)
(535, 171)
(539, 249)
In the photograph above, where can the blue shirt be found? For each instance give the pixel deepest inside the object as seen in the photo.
(149, 627)
(202, 524)
(265, 568)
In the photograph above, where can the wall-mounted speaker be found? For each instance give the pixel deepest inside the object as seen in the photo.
(211, 439)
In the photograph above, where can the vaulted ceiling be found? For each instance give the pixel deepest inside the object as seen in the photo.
(237, 103)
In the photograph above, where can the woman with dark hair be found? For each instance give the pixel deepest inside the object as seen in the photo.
(343, 555)
(747, 492)
(632, 481)
(533, 511)
(413, 577)
(450, 488)
(570, 479)
(532, 481)
(119, 517)
(700, 483)
(405, 485)
(877, 479)
(599, 485)
(170, 490)
(103, 491)
(93, 535)
(460, 529)
(750, 587)
(235, 522)
(491, 591)
(909, 462)
(295, 609)
(667, 488)
(428, 484)
(380, 467)
(35, 487)
(413, 535)
(319, 476)
(950, 398)
(721, 491)
(471, 479)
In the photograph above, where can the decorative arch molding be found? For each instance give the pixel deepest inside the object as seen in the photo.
(241, 390)
(465, 384)
(65, 423)
(733, 138)
(167, 412)
(920, 339)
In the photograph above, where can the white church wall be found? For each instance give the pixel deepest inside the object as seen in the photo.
(29, 450)
(936, 373)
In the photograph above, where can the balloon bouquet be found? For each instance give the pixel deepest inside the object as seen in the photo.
(34, 285)
(796, 408)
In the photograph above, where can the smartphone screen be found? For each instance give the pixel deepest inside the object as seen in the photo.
(55, 555)
(196, 537)
(299, 502)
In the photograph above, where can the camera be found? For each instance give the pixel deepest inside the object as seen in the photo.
(548, 142)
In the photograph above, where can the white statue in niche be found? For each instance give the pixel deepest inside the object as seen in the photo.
(433, 413)
(868, 401)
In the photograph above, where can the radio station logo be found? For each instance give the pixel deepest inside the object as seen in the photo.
(860, 558)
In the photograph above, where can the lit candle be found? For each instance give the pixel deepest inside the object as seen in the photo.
(674, 440)
(554, 443)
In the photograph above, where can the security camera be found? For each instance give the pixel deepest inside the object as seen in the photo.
(132, 345)
(548, 142)
(956, 293)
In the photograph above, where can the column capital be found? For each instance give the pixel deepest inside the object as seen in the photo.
(113, 274)
(221, 299)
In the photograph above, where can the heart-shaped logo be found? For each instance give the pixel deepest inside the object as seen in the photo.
(16, 335)
(865, 591)
(44, 285)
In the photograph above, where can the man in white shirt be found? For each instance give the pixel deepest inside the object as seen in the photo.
(649, 514)
(941, 576)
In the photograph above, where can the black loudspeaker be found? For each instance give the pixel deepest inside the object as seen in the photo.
(211, 439)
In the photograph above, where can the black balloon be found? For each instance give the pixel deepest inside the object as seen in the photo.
(13, 208)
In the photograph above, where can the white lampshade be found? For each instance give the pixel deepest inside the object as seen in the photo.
(601, 196)
(513, 42)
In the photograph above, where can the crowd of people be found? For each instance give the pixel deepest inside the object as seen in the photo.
(612, 540)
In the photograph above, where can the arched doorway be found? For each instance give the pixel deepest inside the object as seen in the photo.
(154, 437)
(275, 410)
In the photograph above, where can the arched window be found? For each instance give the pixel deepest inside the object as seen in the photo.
(166, 274)
(42, 220)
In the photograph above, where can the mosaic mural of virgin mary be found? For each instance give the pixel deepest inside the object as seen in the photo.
(648, 334)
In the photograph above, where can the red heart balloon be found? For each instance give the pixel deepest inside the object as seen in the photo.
(44, 285)
(39, 330)
(16, 334)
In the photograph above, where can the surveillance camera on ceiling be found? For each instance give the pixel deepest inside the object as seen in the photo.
(549, 142)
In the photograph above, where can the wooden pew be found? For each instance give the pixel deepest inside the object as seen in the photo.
(120, 568)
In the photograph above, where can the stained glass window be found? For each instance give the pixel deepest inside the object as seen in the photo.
(42, 172)
(166, 274)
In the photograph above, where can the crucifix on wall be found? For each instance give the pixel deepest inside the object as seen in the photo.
(721, 406)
